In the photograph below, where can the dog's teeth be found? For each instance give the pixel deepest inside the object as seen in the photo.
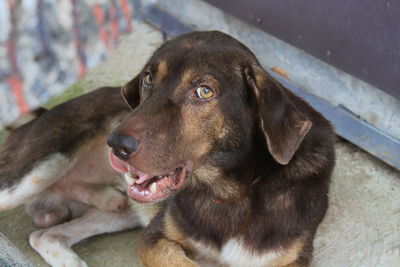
(153, 187)
(146, 193)
(128, 178)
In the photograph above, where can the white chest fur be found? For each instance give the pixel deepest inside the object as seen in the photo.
(234, 253)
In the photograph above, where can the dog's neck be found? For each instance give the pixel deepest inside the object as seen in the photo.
(231, 177)
(224, 185)
(223, 195)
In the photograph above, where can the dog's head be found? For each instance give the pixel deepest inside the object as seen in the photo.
(199, 101)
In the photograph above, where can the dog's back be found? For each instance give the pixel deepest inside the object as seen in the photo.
(37, 154)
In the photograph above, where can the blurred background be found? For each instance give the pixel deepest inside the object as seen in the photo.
(46, 45)
(343, 57)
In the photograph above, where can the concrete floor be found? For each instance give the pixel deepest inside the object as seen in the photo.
(362, 227)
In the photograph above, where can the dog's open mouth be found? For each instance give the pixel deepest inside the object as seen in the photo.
(144, 187)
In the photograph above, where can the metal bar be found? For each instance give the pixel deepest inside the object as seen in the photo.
(346, 124)
(169, 25)
(351, 128)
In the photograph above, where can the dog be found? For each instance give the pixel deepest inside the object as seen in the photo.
(220, 163)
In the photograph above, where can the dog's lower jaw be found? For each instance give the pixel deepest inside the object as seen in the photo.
(144, 187)
(157, 188)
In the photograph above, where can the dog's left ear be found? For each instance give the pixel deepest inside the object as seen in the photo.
(283, 125)
(130, 92)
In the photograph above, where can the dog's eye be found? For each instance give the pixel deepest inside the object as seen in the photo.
(147, 80)
(204, 92)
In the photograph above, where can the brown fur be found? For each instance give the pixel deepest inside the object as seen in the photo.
(269, 199)
(162, 71)
(165, 253)
(258, 161)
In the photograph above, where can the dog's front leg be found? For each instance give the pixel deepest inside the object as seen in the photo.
(54, 244)
(103, 197)
(164, 253)
(159, 247)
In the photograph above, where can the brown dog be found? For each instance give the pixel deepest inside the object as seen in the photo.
(235, 167)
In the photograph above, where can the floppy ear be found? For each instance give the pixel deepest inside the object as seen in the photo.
(130, 92)
(283, 125)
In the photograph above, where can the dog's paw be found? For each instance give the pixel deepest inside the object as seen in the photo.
(54, 250)
(74, 261)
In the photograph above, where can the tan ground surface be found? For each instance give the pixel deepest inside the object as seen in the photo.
(362, 227)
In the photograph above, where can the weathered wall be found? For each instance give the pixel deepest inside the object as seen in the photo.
(46, 45)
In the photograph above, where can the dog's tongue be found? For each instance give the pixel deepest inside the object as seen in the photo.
(142, 177)
(122, 166)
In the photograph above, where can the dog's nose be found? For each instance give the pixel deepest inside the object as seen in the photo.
(122, 145)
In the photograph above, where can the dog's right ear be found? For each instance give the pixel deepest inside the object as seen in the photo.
(130, 92)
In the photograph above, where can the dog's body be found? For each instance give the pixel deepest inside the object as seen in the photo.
(242, 165)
